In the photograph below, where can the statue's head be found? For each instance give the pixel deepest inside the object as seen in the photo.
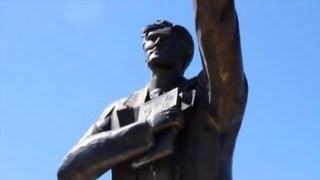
(167, 46)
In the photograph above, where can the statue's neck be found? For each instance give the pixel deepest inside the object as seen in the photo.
(165, 82)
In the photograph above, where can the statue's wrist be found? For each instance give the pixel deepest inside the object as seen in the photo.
(165, 120)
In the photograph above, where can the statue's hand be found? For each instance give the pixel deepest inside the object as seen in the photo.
(171, 118)
(168, 123)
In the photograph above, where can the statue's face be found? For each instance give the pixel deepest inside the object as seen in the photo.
(163, 50)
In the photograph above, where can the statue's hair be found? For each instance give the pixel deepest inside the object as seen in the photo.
(179, 32)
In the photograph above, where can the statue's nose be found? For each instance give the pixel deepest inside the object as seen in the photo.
(158, 41)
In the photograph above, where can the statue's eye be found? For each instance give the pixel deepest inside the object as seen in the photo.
(152, 37)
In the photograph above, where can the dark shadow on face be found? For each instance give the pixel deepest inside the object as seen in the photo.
(164, 50)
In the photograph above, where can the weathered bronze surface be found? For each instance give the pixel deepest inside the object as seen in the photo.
(174, 128)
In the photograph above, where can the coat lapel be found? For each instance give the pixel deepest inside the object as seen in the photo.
(137, 98)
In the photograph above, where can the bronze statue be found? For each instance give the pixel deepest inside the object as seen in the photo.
(174, 128)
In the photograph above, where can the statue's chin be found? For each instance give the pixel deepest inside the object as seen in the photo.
(158, 65)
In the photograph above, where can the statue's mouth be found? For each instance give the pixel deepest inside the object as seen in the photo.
(154, 50)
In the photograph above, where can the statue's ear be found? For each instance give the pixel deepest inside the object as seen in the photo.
(187, 42)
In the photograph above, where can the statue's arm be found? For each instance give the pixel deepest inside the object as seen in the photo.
(102, 148)
(219, 43)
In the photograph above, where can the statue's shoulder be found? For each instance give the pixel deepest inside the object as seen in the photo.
(133, 100)
(136, 98)
(107, 110)
(195, 82)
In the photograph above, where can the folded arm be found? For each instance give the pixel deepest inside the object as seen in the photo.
(95, 154)
(102, 148)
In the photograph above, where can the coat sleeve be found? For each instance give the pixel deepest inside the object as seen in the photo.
(102, 148)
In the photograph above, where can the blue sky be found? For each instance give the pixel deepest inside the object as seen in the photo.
(63, 61)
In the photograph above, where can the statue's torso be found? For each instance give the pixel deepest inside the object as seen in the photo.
(202, 151)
